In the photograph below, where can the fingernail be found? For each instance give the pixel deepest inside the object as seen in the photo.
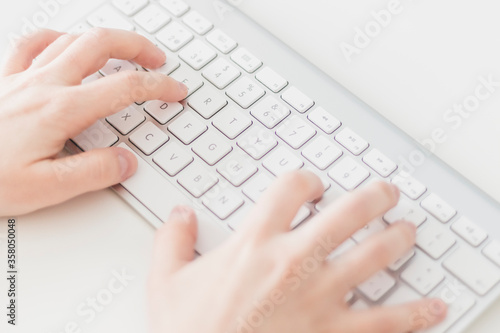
(183, 88)
(410, 226)
(437, 307)
(181, 214)
(125, 167)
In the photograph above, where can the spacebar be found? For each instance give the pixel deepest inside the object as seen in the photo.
(160, 196)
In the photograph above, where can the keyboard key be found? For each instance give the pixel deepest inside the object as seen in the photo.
(281, 160)
(301, 216)
(108, 17)
(114, 66)
(170, 65)
(324, 120)
(187, 127)
(438, 208)
(269, 111)
(434, 239)
(409, 185)
(207, 101)
(395, 266)
(256, 186)
(492, 251)
(473, 269)
(163, 112)
(423, 274)
(346, 246)
(348, 173)
(406, 211)
(368, 230)
(197, 54)
(402, 295)
(257, 142)
(96, 136)
(330, 197)
(231, 122)
(191, 79)
(322, 152)
(351, 141)
(197, 22)
(295, 132)
(196, 179)
(176, 7)
(245, 92)
(174, 36)
(469, 231)
(237, 168)
(225, 203)
(325, 180)
(297, 99)
(380, 163)
(221, 73)
(173, 158)
(359, 305)
(126, 120)
(130, 7)
(271, 79)
(148, 138)
(212, 147)
(152, 18)
(246, 60)
(221, 41)
(79, 29)
(377, 286)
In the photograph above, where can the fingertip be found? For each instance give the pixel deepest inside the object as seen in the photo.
(183, 90)
(182, 214)
(128, 163)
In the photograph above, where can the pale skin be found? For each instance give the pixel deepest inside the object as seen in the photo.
(265, 278)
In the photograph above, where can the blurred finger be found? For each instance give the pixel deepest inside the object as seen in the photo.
(54, 50)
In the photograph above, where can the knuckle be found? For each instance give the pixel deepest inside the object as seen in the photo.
(381, 251)
(97, 33)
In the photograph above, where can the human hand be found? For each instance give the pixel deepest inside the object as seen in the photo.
(43, 104)
(268, 279)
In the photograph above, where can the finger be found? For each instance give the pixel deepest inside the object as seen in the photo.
(347, 215)
(93, 49)
(410, 317)
(276, 208)
(174, 243)
(377, 252)
(54, 50)
(111, 94)
(21, 55)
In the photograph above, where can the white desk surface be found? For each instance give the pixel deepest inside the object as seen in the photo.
(68, 253)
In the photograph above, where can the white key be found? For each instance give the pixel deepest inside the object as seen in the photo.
(245, 92)
(196, 179)
(301, 216)
(402, 295)
(380, 163)
(108, 17)
(325, 180)
(368, 230)
(492, 251)
(190, 78)
(295, 132)
(401, 261)
(212, 147)
(114, 66)
(224, 203)
(297, 99)
(322, 152)
(469, 231)
(79, 29)
(281, 160)
(197, 54)
(173, 158)
(221, 41)
(423, 274)
(330, 197)
(148, 138)
(409, 185)
(174, 36)
(170, 65)
(348, 173)
(407, 211)
(221, 73)
(324, 120)
(438, 208)
(473, 269)
(359, 305)
(377, 286)
(351, 141)
(163, 112)
(187, 127)
(246, 60)
(434, 239)
(197, 22)
(256, 186)
(271, 79)
(152, 18)
(130, 7)
(257, 142)
(347, 245)
(96, 136)
(176, 7)
(237, 168)
(231, 122)
(207, 101)
(126, 120)
(269, 111)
